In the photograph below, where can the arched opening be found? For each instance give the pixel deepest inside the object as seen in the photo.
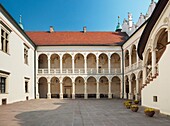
(149, 63)
(42, 87)
(140, 81)
(55, 87)
(67, 63)
(67, 87)
(116, 87)
(42, 63)
(55, 63)
(162, 41)
(134, 55)
(127, 86)
(79, 63)
(91, 63)
(126, 58)
(103, 63)
(91, 87)
(103, 87)
(79, 87)
(133, 82)
(115, 63)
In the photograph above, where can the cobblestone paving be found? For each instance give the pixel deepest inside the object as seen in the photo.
(79, 112)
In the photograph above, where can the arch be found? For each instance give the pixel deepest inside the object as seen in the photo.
(133, 54)
(67, 63)
(103, 62)
(140, 81)
(133, 82)
(91, 87)
(116, 87)
(126, 58)
(91, 63)
(115, 63)
(55, 61)
(127, 86)
(67, 87)
(42, 87)
(79, 87)
(79, 63)
(161, 41)
(43, 61)
(103, 86)
(55, 87)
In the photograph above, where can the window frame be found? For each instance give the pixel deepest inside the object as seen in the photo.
(3, 84)
(4, 44)
(26, 54)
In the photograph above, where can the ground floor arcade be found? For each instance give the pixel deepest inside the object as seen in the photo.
(79, 87)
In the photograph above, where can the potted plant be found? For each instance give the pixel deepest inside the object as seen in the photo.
(127, 104)
(136, 102)
(134, 108)
(149, 112)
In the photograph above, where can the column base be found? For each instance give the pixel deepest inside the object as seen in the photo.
(37, 96)
(49, 96)
(137, 96)
(125, 96)
(73, 96)
(97, 96)
(61, 96)
(109, 95)
(85, 96)
(130, 96)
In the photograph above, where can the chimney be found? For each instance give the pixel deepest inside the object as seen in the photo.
(51, 29)
(84, 29)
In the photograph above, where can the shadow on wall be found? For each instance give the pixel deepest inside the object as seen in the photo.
(45, 117)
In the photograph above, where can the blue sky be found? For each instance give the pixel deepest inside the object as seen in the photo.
(72, 15)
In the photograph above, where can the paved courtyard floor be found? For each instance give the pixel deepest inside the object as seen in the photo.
(79, 112)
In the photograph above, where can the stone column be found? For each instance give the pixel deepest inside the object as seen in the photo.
(85, 65)
(49, 64)
(110, 93)
(125, 94)
(153, 63)
(49, 90)
(144, 75)
(61, 90)
(97, 93)
(97, 65)
(73, 90)
(137, 89)
(73, 64)
(130, 60)
(109, 65)
(61, 67)
(130, 89)
(85, 91)
(37, 92)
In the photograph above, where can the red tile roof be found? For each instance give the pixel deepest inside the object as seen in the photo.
(77, 38)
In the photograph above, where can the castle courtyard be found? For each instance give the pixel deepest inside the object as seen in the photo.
(78, 112)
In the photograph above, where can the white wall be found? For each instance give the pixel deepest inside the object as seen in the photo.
(14, 64)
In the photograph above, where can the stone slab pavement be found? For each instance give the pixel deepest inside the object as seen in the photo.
(79, 112)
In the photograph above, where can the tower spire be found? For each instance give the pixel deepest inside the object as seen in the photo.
(20, 22)
(118, 27)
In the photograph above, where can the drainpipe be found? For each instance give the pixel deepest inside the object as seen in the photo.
(122, 71)
(35, 73)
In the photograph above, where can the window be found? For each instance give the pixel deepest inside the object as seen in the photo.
(4, 40)
(2, 85)
(26, 55)
(26, 87)
(155, 99)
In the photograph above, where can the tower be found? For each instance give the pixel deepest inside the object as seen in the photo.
(20, 22)
(118, 27)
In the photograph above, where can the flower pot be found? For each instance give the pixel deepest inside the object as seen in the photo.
(128, 106)
(150, 113)
(134, 109)
(136, 102)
